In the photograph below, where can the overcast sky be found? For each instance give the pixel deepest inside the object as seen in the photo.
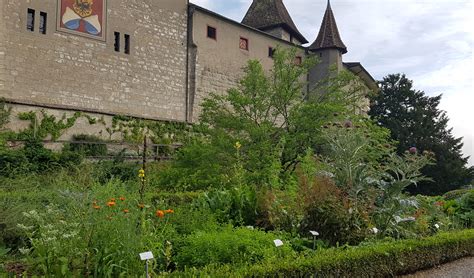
(431, 41)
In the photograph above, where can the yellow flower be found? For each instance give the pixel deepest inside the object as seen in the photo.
(141, 173)
(238, 145)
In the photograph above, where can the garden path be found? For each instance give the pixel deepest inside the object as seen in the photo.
(463, 268)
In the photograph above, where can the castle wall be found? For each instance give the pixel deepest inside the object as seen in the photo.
(219, 63)
(61, 70)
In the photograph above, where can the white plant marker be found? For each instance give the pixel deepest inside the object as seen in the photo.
(375, 230)
(314, 234)
(146, 256)
(436, 226)
(278, 242)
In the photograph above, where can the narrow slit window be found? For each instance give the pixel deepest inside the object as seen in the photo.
(30, 20)
(271, 52)
(43, 22)
(117, 41)
(127, 43)
(211, 32)
(244, 44)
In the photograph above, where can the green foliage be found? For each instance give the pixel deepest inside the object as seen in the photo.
(46, 125)
(237, 205)
(382, 259)
(415, 120)
(35, 158)
(328, 210)
(94, 146)
(99, 234)
(229, 246)
(400, 172)
(134, 130)
(268, 116)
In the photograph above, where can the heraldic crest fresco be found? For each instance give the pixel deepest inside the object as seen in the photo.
(82, 17)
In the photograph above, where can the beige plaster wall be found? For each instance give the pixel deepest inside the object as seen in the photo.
(219, 63)
(69, 71)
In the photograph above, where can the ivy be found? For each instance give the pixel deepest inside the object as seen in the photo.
(134, 130)
(49, 125)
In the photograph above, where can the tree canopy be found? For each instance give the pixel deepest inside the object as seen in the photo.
(417, 123)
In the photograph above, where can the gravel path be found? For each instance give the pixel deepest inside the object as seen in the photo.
(463, 268)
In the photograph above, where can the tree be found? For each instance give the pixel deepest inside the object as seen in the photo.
(268, 115)
(417, 123)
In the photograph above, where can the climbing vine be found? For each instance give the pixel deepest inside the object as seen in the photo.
(47, 125)
(134, 130)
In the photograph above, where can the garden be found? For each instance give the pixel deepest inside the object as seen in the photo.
(267, 184)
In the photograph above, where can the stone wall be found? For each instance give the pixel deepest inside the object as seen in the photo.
(60, 70)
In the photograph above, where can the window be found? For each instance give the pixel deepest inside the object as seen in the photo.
(271, 52)
(30, 20)
(117, 41)
(127, 43)
(244, 44)
(211, 32)
(43, 22)
(298, 60)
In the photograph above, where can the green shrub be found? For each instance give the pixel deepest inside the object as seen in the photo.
(381, 259)
(466, 209)
(237, 205)
(229, 246)
(455, 194)
(35, 158)
(94, 146)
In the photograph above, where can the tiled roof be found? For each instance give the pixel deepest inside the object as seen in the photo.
(328, 36)
(266, 14)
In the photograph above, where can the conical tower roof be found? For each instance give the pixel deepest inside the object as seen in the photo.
(267, 14)
(328, 36)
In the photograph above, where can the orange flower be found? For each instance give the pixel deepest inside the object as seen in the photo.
(169, 211)
(111, 204)
(96, 206)
(122, 198)
(160, 213)
(141, 206)
(126, 211)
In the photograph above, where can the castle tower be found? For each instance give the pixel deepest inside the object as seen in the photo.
(271, 16)
(329, 47)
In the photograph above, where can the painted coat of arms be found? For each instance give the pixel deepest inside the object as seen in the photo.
(83, 17)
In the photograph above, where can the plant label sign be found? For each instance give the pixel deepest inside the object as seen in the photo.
(146, 256)
(278, 242)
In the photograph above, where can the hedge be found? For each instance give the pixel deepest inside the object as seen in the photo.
(384, 259)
